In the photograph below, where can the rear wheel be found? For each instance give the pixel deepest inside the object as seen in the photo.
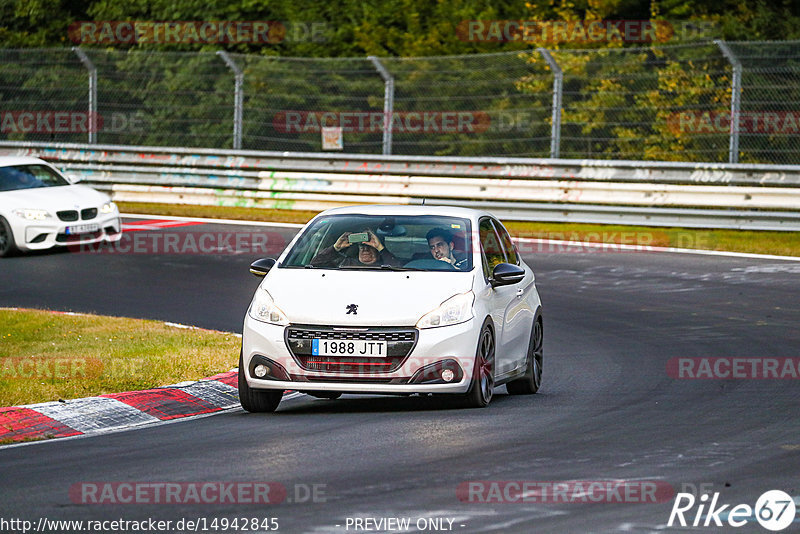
(254, 400)
(532, 380)
(482, 388)
(7, 244)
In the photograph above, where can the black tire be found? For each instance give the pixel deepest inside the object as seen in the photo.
(532, 380)
(7, 245)
(482, 387)
(330, 395)
(256, 401)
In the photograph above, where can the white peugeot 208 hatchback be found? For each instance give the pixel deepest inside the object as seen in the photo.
(393, 299)
(40, 209)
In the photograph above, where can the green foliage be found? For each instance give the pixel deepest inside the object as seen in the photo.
(619, 101)
(385, 28)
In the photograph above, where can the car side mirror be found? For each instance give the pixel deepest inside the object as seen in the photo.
(73, 178)
(505, 274)
(261, 267)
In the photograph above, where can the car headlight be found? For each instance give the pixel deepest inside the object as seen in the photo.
(263, 309)
(456, 309)
(108, 207)
(32, 214)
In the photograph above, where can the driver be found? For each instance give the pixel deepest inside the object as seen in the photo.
(371, 252)
(441, 245)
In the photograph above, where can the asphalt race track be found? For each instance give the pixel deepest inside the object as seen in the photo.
(608, 408)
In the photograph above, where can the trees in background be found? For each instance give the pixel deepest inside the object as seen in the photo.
(621, 99)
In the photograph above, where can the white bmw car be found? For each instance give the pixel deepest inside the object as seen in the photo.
(40, 208)
(393, 300)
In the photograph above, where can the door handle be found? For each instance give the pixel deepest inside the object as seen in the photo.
(520, 291)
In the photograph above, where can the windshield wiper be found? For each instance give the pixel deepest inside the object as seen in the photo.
(393, 268)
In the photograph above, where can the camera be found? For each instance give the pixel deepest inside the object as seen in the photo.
(360, 237)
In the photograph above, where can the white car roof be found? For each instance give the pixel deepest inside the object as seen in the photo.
(8, 161)
(427, 209)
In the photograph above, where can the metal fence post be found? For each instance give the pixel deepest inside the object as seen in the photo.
(238, 98)
(388, 104)
(736, 98)
(558, 87)
(92, 93)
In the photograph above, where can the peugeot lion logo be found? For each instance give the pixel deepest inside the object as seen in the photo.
(352, 308)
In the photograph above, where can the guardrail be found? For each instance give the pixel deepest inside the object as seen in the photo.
(757, 197)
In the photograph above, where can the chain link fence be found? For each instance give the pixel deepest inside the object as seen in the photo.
(704, 102)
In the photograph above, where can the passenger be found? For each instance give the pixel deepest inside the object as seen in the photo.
(441, 244)
(371, 252)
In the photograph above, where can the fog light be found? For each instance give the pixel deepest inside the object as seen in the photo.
(261, 371)
(448, 375)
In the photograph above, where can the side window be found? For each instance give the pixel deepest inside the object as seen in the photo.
(491, 249)
(508, 245)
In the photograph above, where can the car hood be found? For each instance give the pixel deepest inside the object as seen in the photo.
(54, 198)
(384, 298)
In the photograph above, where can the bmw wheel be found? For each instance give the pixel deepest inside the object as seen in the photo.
(7, 245)
(482, 388)
(532, 379)
(254, 400)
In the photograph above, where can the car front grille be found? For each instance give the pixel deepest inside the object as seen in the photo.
(399, 344)
(88, 214)
(68, 215)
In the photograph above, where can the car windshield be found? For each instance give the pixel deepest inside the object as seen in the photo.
(385, 242)
(29, 177)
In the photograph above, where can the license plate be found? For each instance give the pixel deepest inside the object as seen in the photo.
(82, 229)
(356, 348)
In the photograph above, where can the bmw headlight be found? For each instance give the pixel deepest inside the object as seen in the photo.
(263, 309)
(32, 214)
(456, 309)
(108, 207)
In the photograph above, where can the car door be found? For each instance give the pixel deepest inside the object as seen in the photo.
(518, 314)
(498, 299)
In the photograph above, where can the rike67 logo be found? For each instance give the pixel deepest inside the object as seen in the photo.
(774, 510)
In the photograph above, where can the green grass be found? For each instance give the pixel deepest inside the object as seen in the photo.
(47, 357)
(780, 243)
(218, 212)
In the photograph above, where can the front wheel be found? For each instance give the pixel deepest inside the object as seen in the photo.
(7, 245)
(256, 401)
(530, 382)
(482, 388)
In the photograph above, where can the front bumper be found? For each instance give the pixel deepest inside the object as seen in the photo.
(40, 235)
(449, 344)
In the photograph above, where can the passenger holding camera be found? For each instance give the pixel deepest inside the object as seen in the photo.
(371, 252)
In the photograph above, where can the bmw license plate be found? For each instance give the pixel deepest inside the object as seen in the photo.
(352, 348)
(82, 229)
